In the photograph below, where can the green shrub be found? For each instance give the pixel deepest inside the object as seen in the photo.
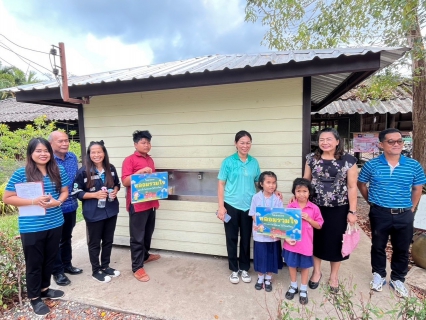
(12, 270)
(5, 208)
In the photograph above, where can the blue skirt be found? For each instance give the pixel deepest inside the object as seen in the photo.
(267, 256)
(297, 260)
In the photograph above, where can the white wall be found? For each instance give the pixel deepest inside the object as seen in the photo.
(194, 129)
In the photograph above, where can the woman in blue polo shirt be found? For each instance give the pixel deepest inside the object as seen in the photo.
(40, 235)
(91, 186)
(237, 177)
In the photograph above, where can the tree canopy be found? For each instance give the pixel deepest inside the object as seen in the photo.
(314, 24)
(12, 76)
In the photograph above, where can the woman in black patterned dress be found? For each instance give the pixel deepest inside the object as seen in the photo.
(334, 176)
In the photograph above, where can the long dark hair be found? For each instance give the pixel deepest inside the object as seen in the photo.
(33, 173)
(90, 166)
(339, 148)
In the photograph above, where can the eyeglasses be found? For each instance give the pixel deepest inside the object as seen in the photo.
(392, 142)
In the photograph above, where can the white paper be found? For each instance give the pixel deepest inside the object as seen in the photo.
(420, 217)
(30, 190)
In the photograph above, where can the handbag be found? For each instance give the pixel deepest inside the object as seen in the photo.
(350, 240)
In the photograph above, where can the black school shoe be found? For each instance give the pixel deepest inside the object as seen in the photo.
(268, 285)
(258, 286)
(51, 294)
(303, 300)
(289, 295)
(39, 307)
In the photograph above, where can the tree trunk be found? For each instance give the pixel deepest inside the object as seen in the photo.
(419, 97)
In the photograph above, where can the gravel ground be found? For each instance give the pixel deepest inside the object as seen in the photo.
(69, 310)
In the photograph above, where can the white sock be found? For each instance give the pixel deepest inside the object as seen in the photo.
(303, 287)
(293, 284)
(268, 278)
(260, 278)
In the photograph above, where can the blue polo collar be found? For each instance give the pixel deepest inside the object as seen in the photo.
(236, 157)
(402, 159)
(67, 155)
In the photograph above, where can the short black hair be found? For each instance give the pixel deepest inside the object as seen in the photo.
(302, 182)
(139, 135)
(241, 134)
(263, 175)
(383, 133)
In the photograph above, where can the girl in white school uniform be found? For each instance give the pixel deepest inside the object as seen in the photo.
(267, 250)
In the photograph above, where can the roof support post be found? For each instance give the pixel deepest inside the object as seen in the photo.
(306, 120)
(81, 132)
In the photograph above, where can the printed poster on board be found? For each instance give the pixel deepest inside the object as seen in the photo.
(279, 222)
(149, 186)
(366, 142)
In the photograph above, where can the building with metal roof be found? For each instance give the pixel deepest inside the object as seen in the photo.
(193, 109)
(18, 114)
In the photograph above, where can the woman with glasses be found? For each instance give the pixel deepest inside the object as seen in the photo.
(236, 187)
(96, 185)
(40, 234)
(333, 174)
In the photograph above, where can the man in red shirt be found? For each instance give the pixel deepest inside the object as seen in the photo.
(141, 215)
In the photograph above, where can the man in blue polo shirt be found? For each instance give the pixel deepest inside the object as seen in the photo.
(395, 187)
(60, 145)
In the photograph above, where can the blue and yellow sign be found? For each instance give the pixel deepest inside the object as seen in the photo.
(149, 186)
(279, 222)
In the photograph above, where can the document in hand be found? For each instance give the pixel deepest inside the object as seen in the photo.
(30, 190)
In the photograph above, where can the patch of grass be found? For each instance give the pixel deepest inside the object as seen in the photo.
(9, 224)
(79, 212)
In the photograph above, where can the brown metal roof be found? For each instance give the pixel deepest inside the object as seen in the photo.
(13, 111)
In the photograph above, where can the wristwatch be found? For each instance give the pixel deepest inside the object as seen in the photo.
(60, 201)
(353, 212)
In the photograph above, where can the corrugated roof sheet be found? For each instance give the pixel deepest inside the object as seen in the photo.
(376, 106)
(322, 85)
(401, 100)
(12, 111)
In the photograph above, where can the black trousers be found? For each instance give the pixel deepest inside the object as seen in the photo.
(40, 249)
(400, 229)
(100, 235)
(64, 256)
(240, 222)
(141, 225)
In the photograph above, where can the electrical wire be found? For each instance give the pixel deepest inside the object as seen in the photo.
(22, 46)
(22, 57)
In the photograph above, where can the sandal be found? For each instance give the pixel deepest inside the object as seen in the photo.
(303, 300)
(268, 285)
(314, 285)
(289, 295)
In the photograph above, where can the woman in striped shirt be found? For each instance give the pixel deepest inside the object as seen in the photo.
(40, 234)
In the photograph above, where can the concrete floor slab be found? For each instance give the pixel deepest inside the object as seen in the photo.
(192, 286)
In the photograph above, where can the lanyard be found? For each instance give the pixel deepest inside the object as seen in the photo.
(264, 200)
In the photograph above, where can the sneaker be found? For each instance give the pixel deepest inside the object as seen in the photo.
(51, 294)
(377, 283)
(101, 277)
(111, 272)
(245, 276)
(399, 287)
(234, 278)
(39, 307)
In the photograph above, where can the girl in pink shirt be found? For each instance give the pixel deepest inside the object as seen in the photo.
(299, 254)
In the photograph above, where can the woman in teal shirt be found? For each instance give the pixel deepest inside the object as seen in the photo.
(237, 177)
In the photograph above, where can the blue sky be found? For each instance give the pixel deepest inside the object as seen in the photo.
(109, 35)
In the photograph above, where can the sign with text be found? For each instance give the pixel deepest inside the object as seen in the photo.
(279, 222)
(366, 142)
(149, 186)
(420, 217)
